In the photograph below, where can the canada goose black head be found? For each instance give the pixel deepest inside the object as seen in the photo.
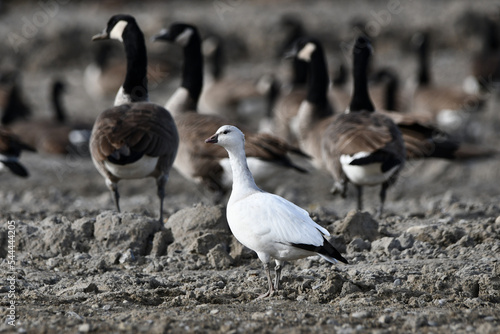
(117, 26)
(182, 34)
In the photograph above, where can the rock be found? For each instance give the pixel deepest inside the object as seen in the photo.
(118, 231)
(92, 287)
(84, 328)
(84, 227)
(406, 240)
(386, 244)
(425, 233)
(189, 224)
(219, 258)
(161, 241)
(239, 252)
(349, 288)
(203, 244)
(358, 224)
(415, 323)
(358, 245)
(361, 314)
(127, 256)
(385, 319)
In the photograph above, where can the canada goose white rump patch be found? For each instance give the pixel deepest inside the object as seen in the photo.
(369, 174)
(136, 170)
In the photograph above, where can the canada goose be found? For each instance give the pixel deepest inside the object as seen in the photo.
(10, 150)
(360, 146)
(204, 164)
(266, 223)
(448, 106)
(134, 139)
(53, 136)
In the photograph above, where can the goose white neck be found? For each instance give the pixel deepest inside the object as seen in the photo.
(243, 181)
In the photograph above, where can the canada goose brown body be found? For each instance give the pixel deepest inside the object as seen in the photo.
(195, 160)
(136, 138)
(10, 150)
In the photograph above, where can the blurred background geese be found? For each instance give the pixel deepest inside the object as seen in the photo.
(450, 107)
(10, 150)
(204, 164)
(134, 139)
(266, 223)
(233, 97)
(53, 136)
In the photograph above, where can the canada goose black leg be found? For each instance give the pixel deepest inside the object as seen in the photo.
(277, 279)
(270, 291)
(113, 187)
(160, 182)
(360, 197)
(383, 192)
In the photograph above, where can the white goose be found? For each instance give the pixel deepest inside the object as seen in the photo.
(266, 223)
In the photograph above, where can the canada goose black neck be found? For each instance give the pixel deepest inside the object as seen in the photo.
(424, 77)
(391, 82)
(57, 90)
(361, 56)
(318, 81)
(136, 81)
(192, 72)
(490, 43)
(216, 59)
(340, 76)
(16, 108)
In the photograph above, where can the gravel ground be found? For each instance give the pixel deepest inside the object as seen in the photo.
(431, 265)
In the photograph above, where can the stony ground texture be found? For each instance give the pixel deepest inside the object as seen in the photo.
(430, 265)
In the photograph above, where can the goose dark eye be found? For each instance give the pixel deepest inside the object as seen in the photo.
(225, 132)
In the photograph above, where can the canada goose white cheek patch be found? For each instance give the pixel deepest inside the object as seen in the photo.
(117, 31)
(306, 52)
(183, 39)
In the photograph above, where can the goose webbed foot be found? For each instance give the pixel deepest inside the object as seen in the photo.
(271, 289)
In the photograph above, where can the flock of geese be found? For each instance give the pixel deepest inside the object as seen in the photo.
(354, 136)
